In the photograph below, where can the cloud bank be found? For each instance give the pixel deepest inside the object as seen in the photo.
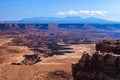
(86, 12)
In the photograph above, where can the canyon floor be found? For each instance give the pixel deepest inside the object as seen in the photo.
(41, 70)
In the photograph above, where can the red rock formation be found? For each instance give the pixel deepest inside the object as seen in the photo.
(29, 60)
(97, 67)
(109, 46)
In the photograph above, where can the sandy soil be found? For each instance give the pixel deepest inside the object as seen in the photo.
(4, 40)
(10, 54)
(40, 70)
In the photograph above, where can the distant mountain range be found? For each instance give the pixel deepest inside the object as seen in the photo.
(90, 20)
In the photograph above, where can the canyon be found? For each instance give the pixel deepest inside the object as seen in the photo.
(48, 51)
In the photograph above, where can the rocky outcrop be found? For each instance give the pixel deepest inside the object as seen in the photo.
(97, 67)
(109, 46)
(29, 60)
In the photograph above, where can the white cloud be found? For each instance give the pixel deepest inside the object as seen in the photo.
(87, 12)
(71, 12)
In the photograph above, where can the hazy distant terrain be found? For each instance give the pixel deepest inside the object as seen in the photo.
(77, 26)
(64, 20)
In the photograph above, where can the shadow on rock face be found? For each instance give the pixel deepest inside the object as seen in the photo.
(97, 67)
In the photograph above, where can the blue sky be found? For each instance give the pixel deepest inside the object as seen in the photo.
(18, 9)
